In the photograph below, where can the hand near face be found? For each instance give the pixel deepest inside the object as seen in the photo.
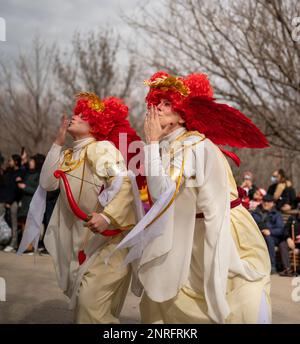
(97, 223)
(246, 183)
(152, 127)
(61, 135)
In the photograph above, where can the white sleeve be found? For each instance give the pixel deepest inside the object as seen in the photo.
(47, 179)
(106, 218)
(157, 179)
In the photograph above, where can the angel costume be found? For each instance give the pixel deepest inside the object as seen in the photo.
(98, 179)
(200, 256)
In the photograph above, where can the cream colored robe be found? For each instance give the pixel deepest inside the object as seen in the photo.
(214, 269)
(95, 289)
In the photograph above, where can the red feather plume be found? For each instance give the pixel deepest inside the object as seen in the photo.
(222, 124)
(108, 123)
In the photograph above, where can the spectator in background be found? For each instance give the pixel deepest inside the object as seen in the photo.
(292, 241)
(269, 221)
(11, 196)
(3, 199)
(29, 186)
(282, 190)
(248, 185)
(4, 195)
(257, 199)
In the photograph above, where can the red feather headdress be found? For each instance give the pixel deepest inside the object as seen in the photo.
(192, 97)
(108, 120)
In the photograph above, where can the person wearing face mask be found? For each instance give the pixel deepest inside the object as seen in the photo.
(274, 181)
(200, 256)
(282, 190)
(96, 183)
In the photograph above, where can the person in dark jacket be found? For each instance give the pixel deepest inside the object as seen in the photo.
(10, 196)
(269, 221)
(282, 190)
(3, 203)
(11, 175)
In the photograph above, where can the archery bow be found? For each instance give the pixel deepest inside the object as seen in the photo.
(79, 213)
(75, 208)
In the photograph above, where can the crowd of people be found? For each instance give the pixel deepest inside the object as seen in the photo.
(275, 210)
(19, 179)
(277, 214)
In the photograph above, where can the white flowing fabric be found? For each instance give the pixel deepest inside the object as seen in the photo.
(34, 220)
(140, 212)
(139, 237)
(110, 192)
(263, 317)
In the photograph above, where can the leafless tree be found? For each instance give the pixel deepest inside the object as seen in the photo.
(96, 64)
(99, 62)
(26, 100)
(246, 48)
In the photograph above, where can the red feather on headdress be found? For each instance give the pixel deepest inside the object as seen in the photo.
(108, 119)
(222, 124)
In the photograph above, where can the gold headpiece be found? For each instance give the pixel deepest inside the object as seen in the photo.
(94, 102)
(169, 82)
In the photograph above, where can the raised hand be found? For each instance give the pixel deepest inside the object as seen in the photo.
(62, 131)
(152, 127)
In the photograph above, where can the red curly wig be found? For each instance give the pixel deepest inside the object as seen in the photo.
(108, 120)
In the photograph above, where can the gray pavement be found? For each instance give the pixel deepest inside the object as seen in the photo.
(33, 297)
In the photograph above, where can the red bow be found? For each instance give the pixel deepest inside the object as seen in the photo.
(79, 213)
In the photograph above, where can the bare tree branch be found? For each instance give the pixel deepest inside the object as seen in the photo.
(27, 100)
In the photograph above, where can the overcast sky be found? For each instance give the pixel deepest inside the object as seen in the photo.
(56, 20)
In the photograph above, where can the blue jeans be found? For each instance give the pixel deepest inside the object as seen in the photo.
(271, 242)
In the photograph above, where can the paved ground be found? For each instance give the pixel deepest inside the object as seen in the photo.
(33, 295)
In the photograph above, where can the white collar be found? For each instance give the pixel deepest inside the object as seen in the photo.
(79, 144)
(168, 139)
